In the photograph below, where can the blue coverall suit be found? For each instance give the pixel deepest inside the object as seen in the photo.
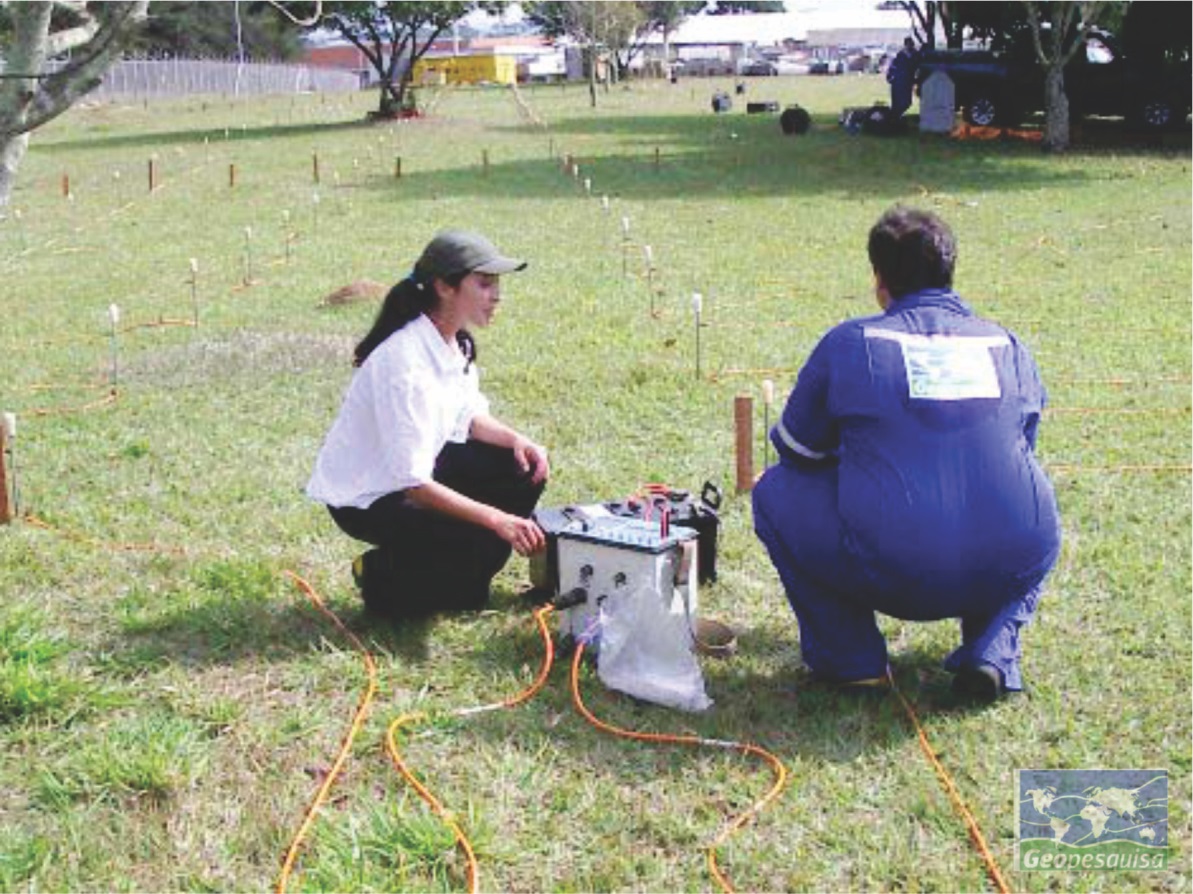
(901, 76)
(907, 484)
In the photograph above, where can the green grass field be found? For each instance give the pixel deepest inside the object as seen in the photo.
(170, 701)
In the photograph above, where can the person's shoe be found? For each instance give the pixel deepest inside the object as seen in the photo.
(866, 683)
(861, 684)
(980, 683)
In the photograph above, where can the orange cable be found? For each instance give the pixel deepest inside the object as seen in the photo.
(526, 694)
(160, 321)
(109, 398)
(671, 738)
(102, 544)
(975, 833)
(357, 720)
(65, 386)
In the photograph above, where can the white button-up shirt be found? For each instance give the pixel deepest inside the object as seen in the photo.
(410, 397)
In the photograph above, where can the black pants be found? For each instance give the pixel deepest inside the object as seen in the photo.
(427, 562)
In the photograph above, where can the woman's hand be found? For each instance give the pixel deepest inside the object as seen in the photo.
(522, 534)
(531, 458)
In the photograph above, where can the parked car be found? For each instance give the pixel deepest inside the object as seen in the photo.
(760, 68)
(826, 67)
(1001, 87)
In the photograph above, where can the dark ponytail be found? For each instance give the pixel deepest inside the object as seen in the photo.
(407, 301)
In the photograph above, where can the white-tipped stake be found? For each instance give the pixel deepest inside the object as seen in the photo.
(114, 320)
(17, 217)
(768, 398)
(588, 186)
(648, 257)
(248, 255)
(315, 211)
(289, 234)
(697, 311)
(194, 280)
(625, 227)
(10, 436)
(605, 204)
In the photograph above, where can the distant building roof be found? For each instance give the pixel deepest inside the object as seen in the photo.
(803, 24)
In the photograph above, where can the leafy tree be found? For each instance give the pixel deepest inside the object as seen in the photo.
(197, 30)
(923, 20)
(620, 27)
(666, 16)
(393, 36)
(733, 7)
(1159, 32)
(52, 54)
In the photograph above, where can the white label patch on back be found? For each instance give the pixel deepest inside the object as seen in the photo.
(947, 367)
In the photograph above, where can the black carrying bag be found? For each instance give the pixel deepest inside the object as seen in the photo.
(684, 510)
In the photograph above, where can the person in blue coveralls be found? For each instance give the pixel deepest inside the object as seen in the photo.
(901, 76)
(907, 481)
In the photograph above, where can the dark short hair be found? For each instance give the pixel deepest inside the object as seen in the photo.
(912, 250)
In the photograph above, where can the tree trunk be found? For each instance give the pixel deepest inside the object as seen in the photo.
(12, 150)
(1056, 110)
(26, 55)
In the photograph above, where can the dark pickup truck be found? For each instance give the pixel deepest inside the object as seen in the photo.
(1002, 87)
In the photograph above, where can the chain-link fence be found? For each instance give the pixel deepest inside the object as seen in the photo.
(180, 77)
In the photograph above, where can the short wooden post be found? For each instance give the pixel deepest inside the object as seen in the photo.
(152, 176)
(743, 425)
(66, 186)
(485, 161)
(315, 166)
(5, 507)
(232, 176)
(397, 167)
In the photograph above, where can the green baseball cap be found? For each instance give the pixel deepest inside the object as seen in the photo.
(461, 251)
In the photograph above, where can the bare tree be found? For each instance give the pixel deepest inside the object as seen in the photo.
(34, 87)
(1068, 27)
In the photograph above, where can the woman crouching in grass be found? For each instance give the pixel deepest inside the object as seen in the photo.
(414, 464)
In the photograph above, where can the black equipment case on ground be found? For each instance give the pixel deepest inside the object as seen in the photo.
(683, 509)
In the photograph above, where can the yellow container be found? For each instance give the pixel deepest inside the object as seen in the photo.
(466, 69)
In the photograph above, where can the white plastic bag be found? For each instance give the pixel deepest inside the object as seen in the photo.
(646, 649)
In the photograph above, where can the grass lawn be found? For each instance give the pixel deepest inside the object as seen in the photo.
(170, 701)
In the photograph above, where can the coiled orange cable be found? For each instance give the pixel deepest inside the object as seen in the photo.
(744, 747)
(971, 825)
(358, 718)
(526, 694)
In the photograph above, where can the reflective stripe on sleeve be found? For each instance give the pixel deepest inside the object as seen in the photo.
(796, 446)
